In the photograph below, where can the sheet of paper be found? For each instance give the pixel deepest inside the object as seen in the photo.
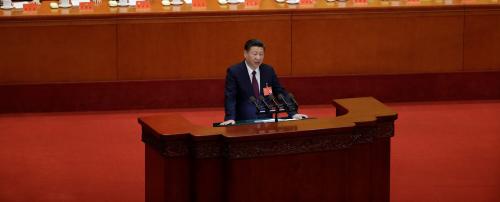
(271, 120)
(19, 5)
(77, 2)
(132, 2)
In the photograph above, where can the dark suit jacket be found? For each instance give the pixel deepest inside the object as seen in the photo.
(239, 89)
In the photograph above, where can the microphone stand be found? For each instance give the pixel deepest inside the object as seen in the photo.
(277, 107)
(271, 108)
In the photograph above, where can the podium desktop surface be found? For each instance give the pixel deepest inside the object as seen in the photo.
(343, 158)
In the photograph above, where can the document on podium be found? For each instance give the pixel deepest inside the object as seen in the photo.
(77, 2)
(267, 120)
(271, 120)
(19, 5)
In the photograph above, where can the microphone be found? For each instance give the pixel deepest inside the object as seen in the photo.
(289, 107)
(276, 104)
(290, 95)
(266, 105)
(256, 103)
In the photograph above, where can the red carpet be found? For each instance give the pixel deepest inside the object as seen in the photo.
(446, 152)
(443, 151)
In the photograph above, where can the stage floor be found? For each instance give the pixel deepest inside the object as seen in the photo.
(441, 151)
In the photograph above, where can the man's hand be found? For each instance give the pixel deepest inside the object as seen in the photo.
(299, 116)
(228, 122)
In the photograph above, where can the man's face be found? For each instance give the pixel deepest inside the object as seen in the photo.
(254, 56)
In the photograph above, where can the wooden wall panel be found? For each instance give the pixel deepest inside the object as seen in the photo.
(178, 48)
(331, 42)
(377, 43)
(482, 40)
(122, 95)
(57, 52)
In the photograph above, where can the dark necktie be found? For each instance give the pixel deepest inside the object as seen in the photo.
(255, 85)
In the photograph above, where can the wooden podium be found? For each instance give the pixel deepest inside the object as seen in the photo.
(342, 158)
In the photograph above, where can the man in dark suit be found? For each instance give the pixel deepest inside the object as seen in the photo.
(250, 78)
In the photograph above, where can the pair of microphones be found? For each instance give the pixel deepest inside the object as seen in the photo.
(275, 105)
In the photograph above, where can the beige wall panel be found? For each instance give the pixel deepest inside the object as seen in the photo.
(59, 52)
(482, 40)
(377, 43)
(179, 48)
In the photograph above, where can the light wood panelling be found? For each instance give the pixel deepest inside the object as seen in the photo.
(197, 47)
(482, 40)
(356, 43)
(63, 52)
(186, 42)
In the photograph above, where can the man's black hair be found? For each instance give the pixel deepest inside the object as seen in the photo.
(254, 42)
